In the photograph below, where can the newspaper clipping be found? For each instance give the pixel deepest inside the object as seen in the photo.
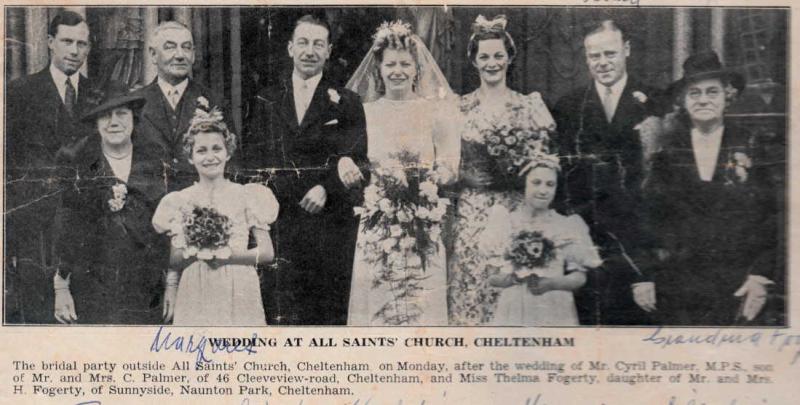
(538, 203)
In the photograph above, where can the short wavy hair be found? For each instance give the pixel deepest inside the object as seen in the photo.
(218, 127)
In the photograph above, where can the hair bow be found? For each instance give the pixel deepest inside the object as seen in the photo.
(497, 24)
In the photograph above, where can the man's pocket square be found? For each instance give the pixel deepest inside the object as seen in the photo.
(332, 122)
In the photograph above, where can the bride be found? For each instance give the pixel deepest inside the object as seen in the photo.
(405, 96)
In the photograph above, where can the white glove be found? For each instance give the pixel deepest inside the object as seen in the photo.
(64, 310)
(754, 290)
(644, 294)
(170, 295)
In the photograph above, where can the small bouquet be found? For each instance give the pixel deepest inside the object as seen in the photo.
(737, 169)
(402, 219)
(511, 146)
(120, 193)
(529, 250)
(206, 233)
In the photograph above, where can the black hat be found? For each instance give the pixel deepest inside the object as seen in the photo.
(705, 65)
(115, 94)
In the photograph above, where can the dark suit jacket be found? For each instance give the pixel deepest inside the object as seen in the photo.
(162, 130)
(603, 168)
(298, 157)
(116, 259)
(37, 127)
(719, 231)
(314, 251)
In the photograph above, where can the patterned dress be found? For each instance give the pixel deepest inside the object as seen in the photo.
(471, 300)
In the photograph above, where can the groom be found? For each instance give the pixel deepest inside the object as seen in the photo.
(307, 137)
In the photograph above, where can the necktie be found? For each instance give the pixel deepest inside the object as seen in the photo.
(607, 107)
(302, 102)
(69, 97)
(174, 98)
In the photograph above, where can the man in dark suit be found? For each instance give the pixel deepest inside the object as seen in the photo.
(711, 198)
(604, 169)
(309, 136)
(43, 133)
(171, 102)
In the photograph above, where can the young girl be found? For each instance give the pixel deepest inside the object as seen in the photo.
(542, 256)
(216, 286)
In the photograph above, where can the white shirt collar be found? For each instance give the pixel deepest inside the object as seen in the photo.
(311, 83)
(616, 88)
(60, 80)
(167, 88)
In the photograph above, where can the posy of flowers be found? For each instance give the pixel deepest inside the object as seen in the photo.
(509, 146)
(206, 233)
(529, 250)
(401, 220)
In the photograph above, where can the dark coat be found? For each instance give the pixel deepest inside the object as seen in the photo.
(116, 259)
(41, 137)
(162, 130)
(603, 173)
(316, 250)
(715, 233)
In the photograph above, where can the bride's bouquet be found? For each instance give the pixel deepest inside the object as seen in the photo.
(401, 221)
(206, 233)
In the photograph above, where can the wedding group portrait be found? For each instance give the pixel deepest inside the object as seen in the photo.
(395, 166)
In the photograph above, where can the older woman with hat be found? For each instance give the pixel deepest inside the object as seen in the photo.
(111, 259)
(712, 206)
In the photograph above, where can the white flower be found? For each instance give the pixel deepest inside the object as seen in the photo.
(334, 96)
(388, 244)
(120, 190)
(403, 215)
(423, 213)
(203, 102)
(639, 96)
(742, 160)
(413, 261)
(438, 212)
(741, 173)
(116, 203)
(386, 206)
(429, 190)
(395, 231)
(407, 242)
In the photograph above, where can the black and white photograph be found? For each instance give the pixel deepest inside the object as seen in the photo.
(366, 165)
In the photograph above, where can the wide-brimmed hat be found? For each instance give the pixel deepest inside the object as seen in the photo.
(114, 94)
(705, 65)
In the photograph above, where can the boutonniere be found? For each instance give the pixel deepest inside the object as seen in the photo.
(334, 96)
(740, 164)
(117, 202)
(203, 102)
(640, 97)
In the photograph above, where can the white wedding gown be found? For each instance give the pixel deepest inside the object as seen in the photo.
(421, 127)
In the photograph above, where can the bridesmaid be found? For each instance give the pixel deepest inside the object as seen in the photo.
(111, 260)
(471, 299)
